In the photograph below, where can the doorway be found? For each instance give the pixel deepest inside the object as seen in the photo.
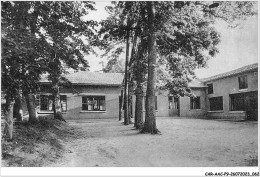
(251, 106)
(174, 106)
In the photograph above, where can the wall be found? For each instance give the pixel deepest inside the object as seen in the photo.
(222, 87)
(74, 101)
(162, 105)
(226, 86)
(185, 110)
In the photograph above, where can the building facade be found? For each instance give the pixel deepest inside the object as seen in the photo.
(91, 95)
(231, 95)
(170, 106)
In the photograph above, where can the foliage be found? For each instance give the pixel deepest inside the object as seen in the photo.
(186, 37)
(113, 30)
(21, 58)
(64, 29)
(114, 64)
(43, 37)
(184, 33)
(50, 33)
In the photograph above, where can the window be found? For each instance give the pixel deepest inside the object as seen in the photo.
(63, 103)
(46, 102)
(93, 103)
(37, 100)
(210, 88)
(237, 102)
(173, 102)
(216, 103)
(242, 81)
(243, 101)
(171, 105)
(156, 108)
(194, 102)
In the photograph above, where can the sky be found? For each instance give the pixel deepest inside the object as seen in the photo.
(238, 47)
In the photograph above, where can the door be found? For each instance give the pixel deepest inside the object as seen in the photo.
(174, 106)
(251, 103)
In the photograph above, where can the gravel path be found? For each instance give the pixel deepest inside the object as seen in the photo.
(184, 143)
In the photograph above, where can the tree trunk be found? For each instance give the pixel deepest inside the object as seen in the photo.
(139, 77)
(8, 129)
(133, 57)
(150, 121)
(130, 108)
(56, 104)
(121, 105)
(139, 108)
(126, 106)
(18, 111)
(31, 107)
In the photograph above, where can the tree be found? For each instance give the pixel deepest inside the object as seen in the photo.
(186, 38)
(14, 38)
(21, 59)
(114, 66)
(180, 33)
(138, 68)
(42, 37)
(124, 17)
(150, 122)
(8, 129)
(126, 91)
(116, 31)
(63, 29)
(18, 111)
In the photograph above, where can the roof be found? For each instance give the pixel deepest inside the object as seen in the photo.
(92, 78)
(196, 84)
(247, 68)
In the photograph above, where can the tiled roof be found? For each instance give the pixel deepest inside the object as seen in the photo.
(196, 83)
(247, 68)
(92, 78)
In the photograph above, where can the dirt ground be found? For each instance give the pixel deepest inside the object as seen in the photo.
(37, 144)
(183, 143)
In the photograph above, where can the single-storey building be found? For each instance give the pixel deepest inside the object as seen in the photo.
(170, 106)
(91, 95)
(231, 95)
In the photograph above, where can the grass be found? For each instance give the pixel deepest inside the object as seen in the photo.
(36, 144)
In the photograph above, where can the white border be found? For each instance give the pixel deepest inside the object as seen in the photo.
(121, 171)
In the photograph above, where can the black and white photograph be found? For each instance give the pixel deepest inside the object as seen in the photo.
(106, 84)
